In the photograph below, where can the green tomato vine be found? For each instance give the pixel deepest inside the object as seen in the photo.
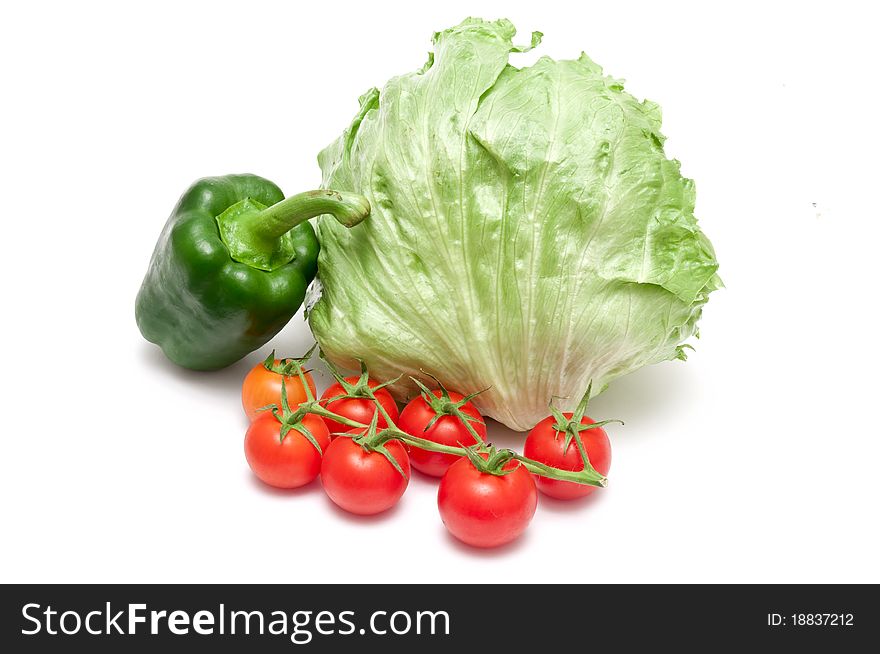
(484, 456)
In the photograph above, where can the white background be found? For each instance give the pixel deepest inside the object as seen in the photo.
(757, 460)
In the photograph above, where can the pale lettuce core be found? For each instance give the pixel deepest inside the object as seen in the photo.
(528, 234)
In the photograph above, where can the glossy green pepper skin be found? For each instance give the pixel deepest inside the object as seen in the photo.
(231, 267)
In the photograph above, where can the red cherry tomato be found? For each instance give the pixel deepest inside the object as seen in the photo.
(359, 409)
(287, 463)
(364, 482)
(446, 430)
(486, 510)
(545, 445)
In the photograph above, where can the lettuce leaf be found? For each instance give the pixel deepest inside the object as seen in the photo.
(528, 233)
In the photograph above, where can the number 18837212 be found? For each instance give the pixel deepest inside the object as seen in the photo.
(810, 620)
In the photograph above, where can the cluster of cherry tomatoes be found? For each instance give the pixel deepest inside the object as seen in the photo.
(364, 449)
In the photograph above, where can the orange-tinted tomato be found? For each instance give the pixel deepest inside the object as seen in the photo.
(262, 387)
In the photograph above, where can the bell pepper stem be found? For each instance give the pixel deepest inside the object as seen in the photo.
(254, 233)
(275, 221)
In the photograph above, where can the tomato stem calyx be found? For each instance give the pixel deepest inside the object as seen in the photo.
(494, 462)
(445, 406)
(359, 389)
(289, 366)
(293, 419)
(373, 440)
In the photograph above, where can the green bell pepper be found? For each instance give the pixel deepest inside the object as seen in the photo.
(231, 267)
